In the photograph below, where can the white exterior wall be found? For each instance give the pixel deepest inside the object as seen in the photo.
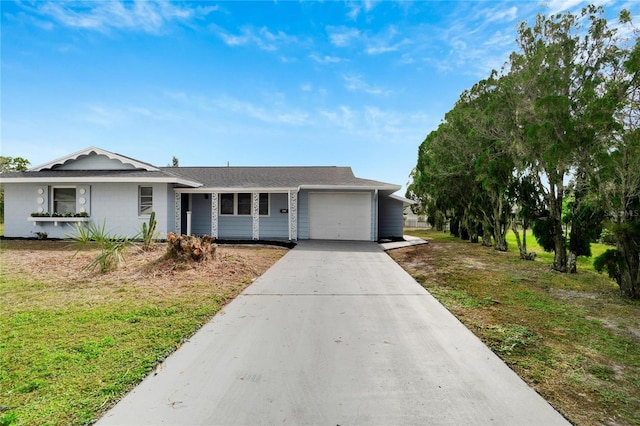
(19, 203)
(117, 203)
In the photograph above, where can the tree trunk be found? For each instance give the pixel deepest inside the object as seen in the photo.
(500, 240)
(559, 239)
(522, 248)
(486, 234)
(572, 265)
(472, 230)
(454, 227)
(500, 226)
(560, 251)
(629, 268)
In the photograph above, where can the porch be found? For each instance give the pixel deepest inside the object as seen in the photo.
(242, 215)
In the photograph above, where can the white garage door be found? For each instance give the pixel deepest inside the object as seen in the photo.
(340, 216)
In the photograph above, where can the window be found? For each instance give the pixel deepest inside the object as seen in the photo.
(264, 204)
(240, 204)
(145, 200)
(244, 203)
(227, 203)
(64, 200)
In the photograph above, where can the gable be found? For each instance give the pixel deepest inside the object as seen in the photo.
(95, 159)
(94, 162)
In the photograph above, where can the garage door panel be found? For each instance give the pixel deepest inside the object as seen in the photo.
(340, 215)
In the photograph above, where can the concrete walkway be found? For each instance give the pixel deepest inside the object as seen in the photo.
(408, 242)
(335, 333)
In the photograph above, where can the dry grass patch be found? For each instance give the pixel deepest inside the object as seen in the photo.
(571, 337)
(73, 341)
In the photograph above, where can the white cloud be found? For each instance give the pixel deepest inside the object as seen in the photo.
(355, 7)
(104, 16)
(501, 39)
(110, 116)
(508, 15)
(325, 59)
(265, 114)
(355, 83)
(263, 38)
(557, 6)
(342, 36)
(342, 117)
(385, 42)
(307, 87)
(383, 48)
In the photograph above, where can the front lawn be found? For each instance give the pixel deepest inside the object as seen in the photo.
(570, 336)
(72, 341)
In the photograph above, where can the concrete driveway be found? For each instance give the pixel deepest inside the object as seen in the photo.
(335, 333)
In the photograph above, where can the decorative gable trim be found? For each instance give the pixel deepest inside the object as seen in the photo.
(96, 151)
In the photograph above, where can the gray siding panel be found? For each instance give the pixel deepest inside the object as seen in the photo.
(390, 219)
(235, 227)
(303, 215)
(276, 225)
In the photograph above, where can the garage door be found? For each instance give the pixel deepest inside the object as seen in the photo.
(340, 216)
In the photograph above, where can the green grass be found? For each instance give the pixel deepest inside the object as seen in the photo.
(69, 348)
(583, 262)
(63, 363)
(570, 336)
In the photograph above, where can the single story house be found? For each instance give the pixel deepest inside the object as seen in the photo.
(250, 203)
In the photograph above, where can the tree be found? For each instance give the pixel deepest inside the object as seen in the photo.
(490, 120)
(13, 164)
(619, 183)
(10, 164)
(563, 104)
(174, 161)
(528, 206)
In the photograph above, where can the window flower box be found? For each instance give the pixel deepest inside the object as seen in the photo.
(41, 219)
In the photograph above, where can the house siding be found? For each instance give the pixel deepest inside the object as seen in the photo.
(235, 227)
(115, 204)
(390, 219)
(20, 202)
(303, 215)
(276, 225)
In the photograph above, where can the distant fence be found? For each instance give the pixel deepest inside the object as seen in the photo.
(415, 223)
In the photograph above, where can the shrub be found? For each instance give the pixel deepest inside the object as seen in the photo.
(113, 246)
(148, 232)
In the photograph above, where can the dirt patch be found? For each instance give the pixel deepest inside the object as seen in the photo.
(58, 264)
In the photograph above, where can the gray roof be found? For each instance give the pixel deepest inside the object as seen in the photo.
(274, 177)
(216, 177)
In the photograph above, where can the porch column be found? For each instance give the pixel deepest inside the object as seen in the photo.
(293, 215)
(255, 213)
(214, 215)
(178, 213)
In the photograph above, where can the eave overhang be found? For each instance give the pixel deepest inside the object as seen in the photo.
(207, 190)
(98, 179)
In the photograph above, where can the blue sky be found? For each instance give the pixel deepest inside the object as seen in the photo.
(343, 83)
